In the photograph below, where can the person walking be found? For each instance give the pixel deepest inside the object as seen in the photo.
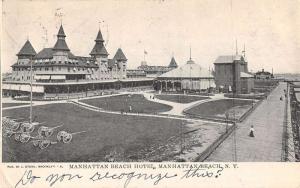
(130, 108)
(251, 134)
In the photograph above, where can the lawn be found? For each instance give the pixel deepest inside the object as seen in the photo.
(4, 105)
(217, 109)
(137, 102)
(181, 98)
(126, 137)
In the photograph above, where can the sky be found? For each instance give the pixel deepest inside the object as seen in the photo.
(269, 29)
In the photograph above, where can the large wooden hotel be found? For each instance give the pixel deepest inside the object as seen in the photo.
(58, 71)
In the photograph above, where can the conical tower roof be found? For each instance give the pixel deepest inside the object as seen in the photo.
(27, 50)
(61, 44)
(99, 37)
(99, 48)
(173, 63)
(61, 32)
(120, 55)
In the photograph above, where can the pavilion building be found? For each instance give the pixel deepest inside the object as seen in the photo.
(189, 77)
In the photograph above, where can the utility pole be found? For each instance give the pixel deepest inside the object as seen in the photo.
(30, 113)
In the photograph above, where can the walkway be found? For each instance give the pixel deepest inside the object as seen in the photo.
(266, 146)
(177, 108)
(97, 109)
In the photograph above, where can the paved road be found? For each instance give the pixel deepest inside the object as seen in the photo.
(267, 120)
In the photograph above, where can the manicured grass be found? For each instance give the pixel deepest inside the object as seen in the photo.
(4, 105)
(122, 102)
(217, 109)
(129, 136)
(181, 98)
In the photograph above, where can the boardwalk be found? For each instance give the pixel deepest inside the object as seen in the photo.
(267, 120)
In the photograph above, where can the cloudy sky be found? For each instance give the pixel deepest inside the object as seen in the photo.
(270, 29)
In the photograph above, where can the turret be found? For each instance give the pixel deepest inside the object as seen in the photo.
(173, 63)
(121, 61)
(61, 44)
(99, 49)
(27, 51)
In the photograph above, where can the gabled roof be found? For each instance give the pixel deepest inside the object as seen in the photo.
(228, 59)
(47, 53)
(173, 63)
(27, 49)
(119, 56)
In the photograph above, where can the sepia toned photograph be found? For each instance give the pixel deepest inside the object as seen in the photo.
(150, 81)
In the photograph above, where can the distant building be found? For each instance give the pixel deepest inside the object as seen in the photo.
(263, 75)
(135, 73)
(231, 74)
(6, 76)
(189, 77)
(155, 71)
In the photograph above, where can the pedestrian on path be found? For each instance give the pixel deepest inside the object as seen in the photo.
(130, 108)
(251, 134)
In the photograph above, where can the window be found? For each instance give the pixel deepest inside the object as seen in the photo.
(59, 62)
(51, 68)
(68, 69)
(59, 68)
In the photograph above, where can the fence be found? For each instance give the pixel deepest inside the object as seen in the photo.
(206, 153)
